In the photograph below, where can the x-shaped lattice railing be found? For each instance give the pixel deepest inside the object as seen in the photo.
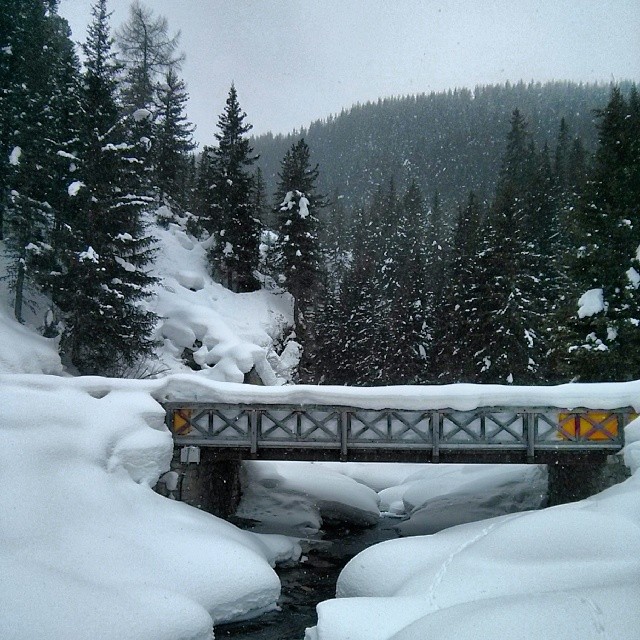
(322, 426)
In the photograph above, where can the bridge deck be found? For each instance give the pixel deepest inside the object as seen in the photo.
(322, 432)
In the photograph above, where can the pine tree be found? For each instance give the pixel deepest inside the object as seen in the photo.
(601, 338)
(105, 276)
(509, 341)
(232, 218)
(173, 139)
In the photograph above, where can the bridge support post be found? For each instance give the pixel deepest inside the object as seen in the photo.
(212, 484)
(573, 482)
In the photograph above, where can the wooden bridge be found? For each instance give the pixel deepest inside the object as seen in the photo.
(325, 432)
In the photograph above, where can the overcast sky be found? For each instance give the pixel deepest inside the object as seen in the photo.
(294, 61)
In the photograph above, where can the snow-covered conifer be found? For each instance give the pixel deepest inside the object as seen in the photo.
(231, 216)
(105, 275)
(602, 341)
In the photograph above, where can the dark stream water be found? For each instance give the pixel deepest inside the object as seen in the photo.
(310, 582)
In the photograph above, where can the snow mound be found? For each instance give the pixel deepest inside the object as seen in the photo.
(204, 326)
(295, 497)
(35, 353)
(22, 348)
(82, 530)
(570, 571)
(436, 498)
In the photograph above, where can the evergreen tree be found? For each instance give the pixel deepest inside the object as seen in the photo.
(37, 131)
(509, 341)
(356, 323)
(457, 319)
(299, 258)
(298, 204)
(405, 285)
(173, 139)
(105, 277)
(601, 339)
(232, 218)
(360, 324)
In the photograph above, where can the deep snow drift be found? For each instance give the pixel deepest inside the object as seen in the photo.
(571, 571)
(87, 549)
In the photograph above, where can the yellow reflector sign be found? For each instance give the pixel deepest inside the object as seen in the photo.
(592, 425)
(182, 422)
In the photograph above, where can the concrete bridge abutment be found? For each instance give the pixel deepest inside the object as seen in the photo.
(570, 482)
(203, 480)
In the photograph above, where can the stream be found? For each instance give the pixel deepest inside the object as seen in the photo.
(306, 584)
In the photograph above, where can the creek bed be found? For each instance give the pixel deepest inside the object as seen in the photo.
(306, 584)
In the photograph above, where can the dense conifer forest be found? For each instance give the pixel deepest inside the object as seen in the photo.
(490, 235)
(450, 142)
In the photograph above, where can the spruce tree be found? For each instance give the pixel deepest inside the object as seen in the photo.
(509, 341)
(601, 338)
(299, 258)
(173, 140)
(231, 217)
(356, 345)
(456, 323)
(408, 334)
(105, 276)
(364, 342)
(37, 133)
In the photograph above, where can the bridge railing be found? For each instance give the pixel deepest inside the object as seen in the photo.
(526, 434)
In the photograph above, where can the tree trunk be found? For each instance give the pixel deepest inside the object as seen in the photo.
(17, 309)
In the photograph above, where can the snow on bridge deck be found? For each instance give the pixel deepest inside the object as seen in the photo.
(452, 423)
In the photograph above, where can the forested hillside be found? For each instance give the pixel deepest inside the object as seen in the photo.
(485, 236)
(448, 142)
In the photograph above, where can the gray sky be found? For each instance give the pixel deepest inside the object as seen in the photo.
(294, 61)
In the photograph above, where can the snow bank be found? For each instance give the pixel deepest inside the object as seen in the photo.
(87, 549)
(225, 334)
(570, 571)
(441, 496)
(295, 497)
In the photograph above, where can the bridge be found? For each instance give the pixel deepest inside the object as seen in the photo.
(573, 428)
(327, 432)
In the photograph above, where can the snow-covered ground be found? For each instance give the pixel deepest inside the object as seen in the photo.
(229, 334)
(89, 551)
(571, 571)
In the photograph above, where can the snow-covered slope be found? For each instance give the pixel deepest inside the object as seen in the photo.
(229, 334)
(202, 325)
